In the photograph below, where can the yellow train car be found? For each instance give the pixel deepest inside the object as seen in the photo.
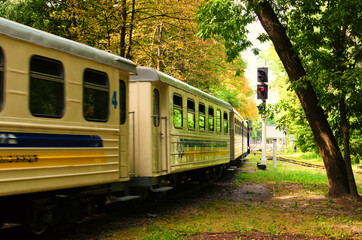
(63, 123)
(239, 136)
(180, 128)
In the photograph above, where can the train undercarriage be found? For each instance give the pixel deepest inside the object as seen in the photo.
(40, 210)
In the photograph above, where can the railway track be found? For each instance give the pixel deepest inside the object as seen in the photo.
(301, 163)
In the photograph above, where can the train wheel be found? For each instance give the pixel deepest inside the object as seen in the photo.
(38, 230)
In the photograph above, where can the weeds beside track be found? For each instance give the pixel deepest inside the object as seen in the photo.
(301, 163)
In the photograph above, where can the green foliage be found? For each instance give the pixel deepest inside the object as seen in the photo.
(177, 118)
(356, 159)
(226, 20)
(228, 95)
(327, 37)
(255, 129)
(33, 13)
(263, 37)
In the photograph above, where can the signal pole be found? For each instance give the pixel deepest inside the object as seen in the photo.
(263, 142)
(262, 93)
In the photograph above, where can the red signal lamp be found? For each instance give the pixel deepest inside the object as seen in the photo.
(262, 91)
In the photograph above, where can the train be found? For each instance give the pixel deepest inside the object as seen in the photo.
(81, 127)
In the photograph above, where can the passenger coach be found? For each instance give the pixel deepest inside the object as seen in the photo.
(184, 130)
(63, 126)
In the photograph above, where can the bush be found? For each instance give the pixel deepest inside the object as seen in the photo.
(356, 159)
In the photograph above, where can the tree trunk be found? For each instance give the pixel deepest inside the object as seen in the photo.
(347, 154)
(130, 42)
(159, 66)
(122, 42)
(327, 144)
(108, 32)
(339, 49)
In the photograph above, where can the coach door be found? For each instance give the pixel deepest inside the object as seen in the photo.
(123, 146)
(156, 132)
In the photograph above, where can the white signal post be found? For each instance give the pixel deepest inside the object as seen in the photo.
(263, 141)
(275, 152)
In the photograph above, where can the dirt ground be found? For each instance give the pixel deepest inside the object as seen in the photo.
(102, 229)
(263, 194)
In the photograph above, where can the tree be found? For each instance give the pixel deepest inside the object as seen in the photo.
(274, 16)
(159, 34)
(333, 50)
(33, 13)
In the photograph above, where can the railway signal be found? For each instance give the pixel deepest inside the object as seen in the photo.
(262, 91)
(263, 74)
(262, 87)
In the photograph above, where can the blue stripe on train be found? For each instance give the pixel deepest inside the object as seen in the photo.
(13, 139)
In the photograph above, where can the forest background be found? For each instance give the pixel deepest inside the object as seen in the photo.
(162, 34)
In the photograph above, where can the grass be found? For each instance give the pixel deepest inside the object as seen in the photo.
(308, 157)
(297, 174)
(295, 204)
(314, 180)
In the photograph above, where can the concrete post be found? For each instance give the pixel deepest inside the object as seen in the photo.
(263, 154)
(274, 152)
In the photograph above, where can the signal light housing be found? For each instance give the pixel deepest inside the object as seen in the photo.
(262, 91)
(262, 74)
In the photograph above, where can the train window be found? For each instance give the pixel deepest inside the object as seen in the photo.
(211, 119)
(122, 102)
(226, 123)
(156, 108)
(177, 111)
(191, 114)
(202, 117)
(46, 87)
(2, 67)
(237, 127)
(95, 95)
(218, 121)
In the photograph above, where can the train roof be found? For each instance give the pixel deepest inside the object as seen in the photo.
(238, 114)
(147, 74)
(38, 37)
